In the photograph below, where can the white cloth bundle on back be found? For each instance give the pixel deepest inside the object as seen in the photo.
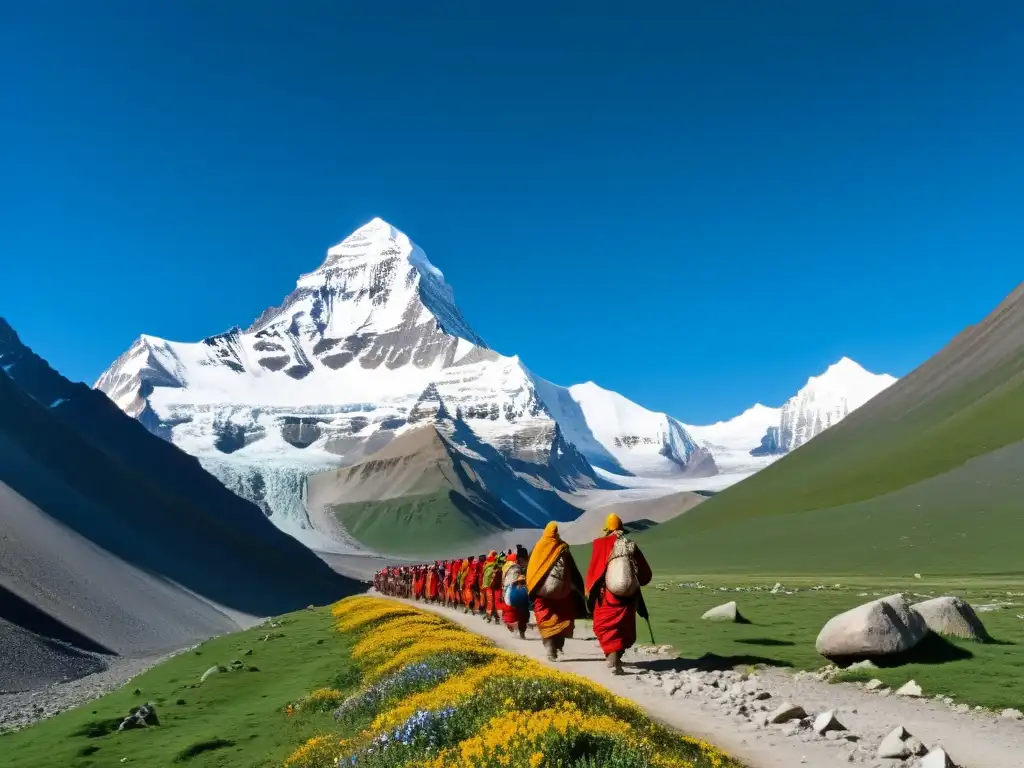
(556, 584)
(620, 575)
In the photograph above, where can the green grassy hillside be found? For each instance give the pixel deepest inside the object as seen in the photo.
(416, 525)
(233, 720)
(926, 477)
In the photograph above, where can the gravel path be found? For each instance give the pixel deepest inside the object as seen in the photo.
(728, 708)
(18, 710)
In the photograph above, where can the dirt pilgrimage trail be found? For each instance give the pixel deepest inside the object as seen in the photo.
(696, 701)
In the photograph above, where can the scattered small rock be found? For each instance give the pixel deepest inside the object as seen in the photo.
(910, 688)
(864, 665)
(727, 612)
(1012, 714)
(248, 652)
(142, 717)
(937, 758)
(787, 712)
(180, 702)
(875, 685)
(916, 747)
(826, 722)
(137, 692)
(897, 745)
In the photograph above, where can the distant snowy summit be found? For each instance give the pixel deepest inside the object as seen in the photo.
(761, 434)
(367, 346)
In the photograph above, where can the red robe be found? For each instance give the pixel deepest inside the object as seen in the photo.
(432, 584)
(614, 617)
(509, 614)
(467, 585)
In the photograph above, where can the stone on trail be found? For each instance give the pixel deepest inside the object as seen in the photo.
(916, 746)
(826, 722)
(879, 628)
(1012, 714)
(727, 612)
(952, 616)
(910, 688)
(894, 746)
(787, 712)
(937, 758)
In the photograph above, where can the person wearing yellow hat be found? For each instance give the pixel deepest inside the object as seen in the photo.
(617, 571)
(555, 586)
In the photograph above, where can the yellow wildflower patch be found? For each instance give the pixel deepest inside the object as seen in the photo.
(318, 751)
(550, 710)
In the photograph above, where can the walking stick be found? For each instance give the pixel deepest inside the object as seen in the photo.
(645, 614)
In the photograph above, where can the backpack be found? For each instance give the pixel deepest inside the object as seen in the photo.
(514, 573)
(556, 584)
(620, 576)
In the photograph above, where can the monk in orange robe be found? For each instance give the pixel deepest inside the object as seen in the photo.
(417, 583)
(554, 584)
(614, 616)
(449, 581)
(431, 582)
(478, 585)
(468, 576)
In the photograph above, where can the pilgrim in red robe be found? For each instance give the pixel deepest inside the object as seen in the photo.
(614, 616)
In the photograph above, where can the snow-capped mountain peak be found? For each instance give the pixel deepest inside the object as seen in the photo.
(823, 402)
(761, 434)
(743, 430)
(845, 382)
(374, 281)
(617, 435)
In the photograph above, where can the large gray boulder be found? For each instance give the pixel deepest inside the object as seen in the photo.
(952, 616)
(879, 628)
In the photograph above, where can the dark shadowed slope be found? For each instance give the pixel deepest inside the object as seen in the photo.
(926, 476)
(120, 537)
(170, 470)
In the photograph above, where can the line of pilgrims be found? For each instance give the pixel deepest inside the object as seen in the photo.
(503, 587)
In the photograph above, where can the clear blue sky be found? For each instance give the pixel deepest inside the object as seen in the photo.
(695, 204)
